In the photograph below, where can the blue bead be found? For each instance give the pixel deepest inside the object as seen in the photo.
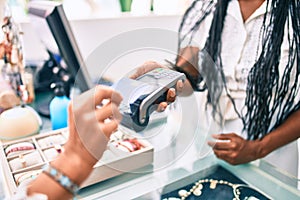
(53, 172)
(65, 181)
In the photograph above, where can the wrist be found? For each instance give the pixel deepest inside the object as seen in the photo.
(261, 147)
(70, 165)
(73, 166)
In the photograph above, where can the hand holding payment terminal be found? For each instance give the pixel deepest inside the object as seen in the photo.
(141, 96)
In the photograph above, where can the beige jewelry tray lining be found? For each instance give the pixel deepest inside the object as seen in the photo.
(114, 162)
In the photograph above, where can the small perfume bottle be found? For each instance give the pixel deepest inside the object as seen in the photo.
(59, 107)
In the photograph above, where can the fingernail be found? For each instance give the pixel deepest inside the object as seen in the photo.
(180, 84)
(172, 93)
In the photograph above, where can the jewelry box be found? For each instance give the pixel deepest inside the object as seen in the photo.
(23, 159)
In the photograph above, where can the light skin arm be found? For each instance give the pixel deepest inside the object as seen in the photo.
(76, 161)
(238, 150)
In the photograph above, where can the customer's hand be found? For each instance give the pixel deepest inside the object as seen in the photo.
(235, 149)
(90, 126)
(172, 92)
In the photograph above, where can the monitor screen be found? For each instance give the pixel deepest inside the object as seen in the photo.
(54, 30)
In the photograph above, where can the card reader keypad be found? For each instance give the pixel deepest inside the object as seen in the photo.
(162, 73)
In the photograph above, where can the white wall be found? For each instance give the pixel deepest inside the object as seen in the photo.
(117, 42)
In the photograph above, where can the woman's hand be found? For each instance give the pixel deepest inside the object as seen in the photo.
(171, 95)
(90, 127)
(235, 149)
(146, 67)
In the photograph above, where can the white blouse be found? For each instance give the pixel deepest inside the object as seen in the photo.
(241, 47)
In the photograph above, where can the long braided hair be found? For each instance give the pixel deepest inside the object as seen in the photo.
(271, 98)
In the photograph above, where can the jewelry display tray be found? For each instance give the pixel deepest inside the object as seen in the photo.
(224, 187)
(113, 162)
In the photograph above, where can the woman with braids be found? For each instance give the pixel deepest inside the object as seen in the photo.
(246, 53)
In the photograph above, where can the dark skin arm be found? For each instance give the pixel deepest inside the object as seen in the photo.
(237, 150)
(187, 60)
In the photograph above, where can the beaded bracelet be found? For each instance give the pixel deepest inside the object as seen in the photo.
(61, 178)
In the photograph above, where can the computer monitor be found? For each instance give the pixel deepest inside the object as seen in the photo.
(55, 32)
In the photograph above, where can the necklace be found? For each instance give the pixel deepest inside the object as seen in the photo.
(196, 190)
(198, 186)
